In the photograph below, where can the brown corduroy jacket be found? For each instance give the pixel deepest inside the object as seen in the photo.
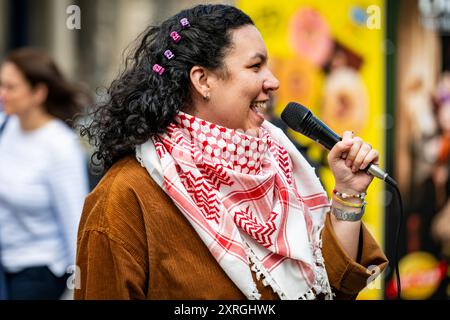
(134, 243)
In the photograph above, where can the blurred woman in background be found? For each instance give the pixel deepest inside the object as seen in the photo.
(43, 176)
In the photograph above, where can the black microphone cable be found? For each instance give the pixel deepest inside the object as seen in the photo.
(394, 185)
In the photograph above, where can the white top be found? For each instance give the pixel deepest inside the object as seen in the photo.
(43, 183)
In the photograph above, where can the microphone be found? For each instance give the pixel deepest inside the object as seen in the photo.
(301, 119)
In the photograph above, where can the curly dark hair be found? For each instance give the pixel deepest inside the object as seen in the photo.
(142, 103)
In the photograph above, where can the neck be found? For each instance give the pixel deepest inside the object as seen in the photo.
(34, 119)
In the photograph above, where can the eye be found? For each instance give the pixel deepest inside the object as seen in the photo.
(256, 65)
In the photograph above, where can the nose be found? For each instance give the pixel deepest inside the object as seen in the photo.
(271, 83)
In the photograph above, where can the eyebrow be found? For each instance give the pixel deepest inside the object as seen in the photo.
(259, 55)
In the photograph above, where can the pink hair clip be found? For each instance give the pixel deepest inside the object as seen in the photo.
(185, 23)
(158, 69)
(169, 54)
(175, 36)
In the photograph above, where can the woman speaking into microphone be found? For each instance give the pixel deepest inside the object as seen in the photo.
(202, 198)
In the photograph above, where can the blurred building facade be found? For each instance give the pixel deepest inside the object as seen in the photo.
(3, 25)
(93, 53)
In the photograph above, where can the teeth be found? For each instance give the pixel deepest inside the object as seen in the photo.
(259, 106)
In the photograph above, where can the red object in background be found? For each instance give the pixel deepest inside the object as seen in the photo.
(417, 279)
(413, 227)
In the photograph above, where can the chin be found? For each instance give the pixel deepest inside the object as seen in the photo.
(7, 111)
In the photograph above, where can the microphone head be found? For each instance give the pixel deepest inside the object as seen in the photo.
(296, 116)
(301, 119)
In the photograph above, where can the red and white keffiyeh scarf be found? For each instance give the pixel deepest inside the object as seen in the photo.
(254, 201)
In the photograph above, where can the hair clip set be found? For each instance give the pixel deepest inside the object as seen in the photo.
(169, 54)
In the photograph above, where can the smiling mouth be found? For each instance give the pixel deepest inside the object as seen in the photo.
(260, 107)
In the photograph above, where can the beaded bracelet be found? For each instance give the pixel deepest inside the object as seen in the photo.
(344, 195)
(349, 204)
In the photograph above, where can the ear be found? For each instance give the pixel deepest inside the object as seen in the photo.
(40, 93)
(201, 79)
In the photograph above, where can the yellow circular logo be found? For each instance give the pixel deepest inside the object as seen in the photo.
(420, 275)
